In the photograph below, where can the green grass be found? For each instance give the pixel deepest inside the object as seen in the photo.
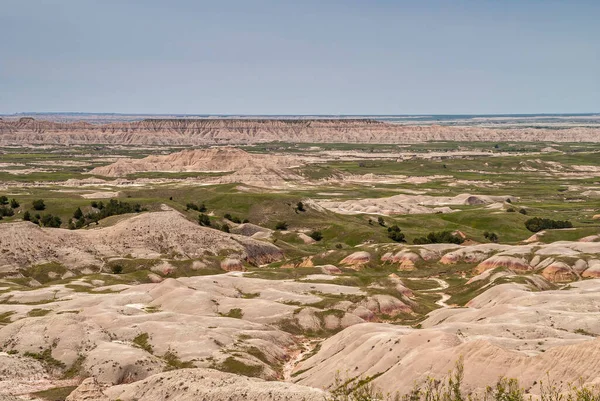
(56, 393)
(232, 365)
(141, 341)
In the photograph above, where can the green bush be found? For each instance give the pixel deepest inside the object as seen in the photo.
(204, 220)
(39, 204)
(493, 237)
(396, 234)
(316, 235)
(3, 200)
(14, 204)
(282, 225)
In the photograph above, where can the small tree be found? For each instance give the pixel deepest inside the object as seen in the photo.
(523, 211)
(316, 235)
(282, 225)
(117, 269)
(3, 200)
(38, 204)
(225, 228)
(27, 216)
(77, 214)
(300, 207)
(381, 221)
(204, 220)
(14, 204)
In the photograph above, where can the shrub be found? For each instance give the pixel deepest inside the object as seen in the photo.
(199, 208)
(27, 216)
(536, 224)
(511, 210)
(282, 225)
(116, 269)
(396, 234)
(233, 219)
(14, 204)
(6, 211)
(3, 200)
(39, 204)
(493, 237)
(204, 220)
(523, 211)
(225, 228)
(300, 207)
(381, 221)
(316, 235)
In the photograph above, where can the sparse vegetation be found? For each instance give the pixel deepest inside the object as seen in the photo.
(282, 225)
(141, 341)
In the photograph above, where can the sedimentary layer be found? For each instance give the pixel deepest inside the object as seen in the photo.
(244, 131)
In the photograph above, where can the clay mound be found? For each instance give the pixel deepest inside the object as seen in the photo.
(591, 238)
(330, 269)
(147, 235)
(357, 258)
(593, 271)
(88, 390)
(409, 204)
(231, 265)
(510, 262)
(200, 160)
(211, 385)
(249, 229)
(559, 272)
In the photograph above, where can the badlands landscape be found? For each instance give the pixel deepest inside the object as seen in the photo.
(233, 258)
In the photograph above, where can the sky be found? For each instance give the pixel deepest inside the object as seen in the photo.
(377, 57)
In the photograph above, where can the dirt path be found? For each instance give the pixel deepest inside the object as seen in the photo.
(442, 285)
(306, 347)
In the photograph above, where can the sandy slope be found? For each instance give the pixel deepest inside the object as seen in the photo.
(146, 236)
(507, 330)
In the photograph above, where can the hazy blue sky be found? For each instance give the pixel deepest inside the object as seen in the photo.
(300, 57)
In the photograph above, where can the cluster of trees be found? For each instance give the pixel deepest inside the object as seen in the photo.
(396, 234)
(439, 237)
(47, 220)
(536, 224)
(197, 207)
(7, 208)
(102, 210)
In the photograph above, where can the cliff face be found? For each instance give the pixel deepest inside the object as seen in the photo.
(247, 131)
